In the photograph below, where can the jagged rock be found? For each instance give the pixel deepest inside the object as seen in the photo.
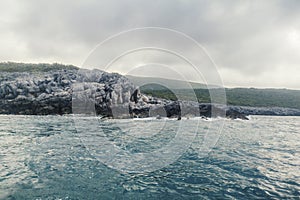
(173, 109)
(52, 92)
(135, 96)
(21, 98)
(233, 114)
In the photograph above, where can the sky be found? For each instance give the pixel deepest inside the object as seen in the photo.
(253, 43)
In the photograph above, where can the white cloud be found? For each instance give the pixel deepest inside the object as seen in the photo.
(249, 40)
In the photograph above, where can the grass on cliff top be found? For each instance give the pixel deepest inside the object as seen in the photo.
(30, 67)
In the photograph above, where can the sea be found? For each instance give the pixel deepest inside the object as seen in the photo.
(87, 157)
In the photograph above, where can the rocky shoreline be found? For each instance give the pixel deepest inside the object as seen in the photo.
(106, 94)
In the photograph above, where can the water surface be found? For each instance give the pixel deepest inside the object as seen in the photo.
(44, 157)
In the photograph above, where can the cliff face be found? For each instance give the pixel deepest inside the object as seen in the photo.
(75, 91)
(51, 92)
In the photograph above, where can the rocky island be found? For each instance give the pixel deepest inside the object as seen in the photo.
(67, 91)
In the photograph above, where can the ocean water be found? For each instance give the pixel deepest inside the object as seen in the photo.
(81, 157)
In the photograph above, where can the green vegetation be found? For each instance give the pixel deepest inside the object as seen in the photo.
(264, 97)
(237, 96)
(30, 67)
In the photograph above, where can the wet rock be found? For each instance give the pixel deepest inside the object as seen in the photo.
(173, 109)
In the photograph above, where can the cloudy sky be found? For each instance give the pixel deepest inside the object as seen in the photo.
(253, 43)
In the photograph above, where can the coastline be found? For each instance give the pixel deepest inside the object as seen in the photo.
(68, 91)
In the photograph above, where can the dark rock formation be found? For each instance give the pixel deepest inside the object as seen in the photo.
(233, 114)
(274, 111)
(135, 96)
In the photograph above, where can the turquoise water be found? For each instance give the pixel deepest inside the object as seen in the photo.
(55, 157)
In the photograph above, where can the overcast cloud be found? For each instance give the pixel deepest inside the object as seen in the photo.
(254, 43)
